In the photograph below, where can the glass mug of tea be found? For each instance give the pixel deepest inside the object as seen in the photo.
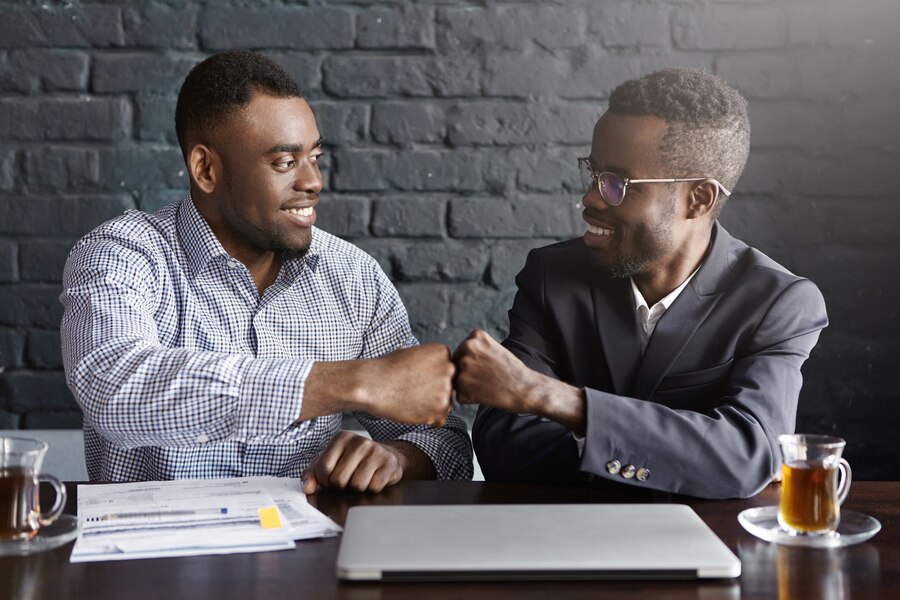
(20, 478)
(815, 481)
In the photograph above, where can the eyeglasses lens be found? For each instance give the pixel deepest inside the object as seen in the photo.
(612, 188)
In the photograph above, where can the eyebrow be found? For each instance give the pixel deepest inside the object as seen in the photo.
(611, 168)
(293, 148)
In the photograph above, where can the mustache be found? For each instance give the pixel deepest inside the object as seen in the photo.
(595, 214)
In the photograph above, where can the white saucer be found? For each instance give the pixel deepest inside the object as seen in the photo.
(63, 530)
(854, 528)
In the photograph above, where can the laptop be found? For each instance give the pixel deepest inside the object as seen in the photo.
(531, 542)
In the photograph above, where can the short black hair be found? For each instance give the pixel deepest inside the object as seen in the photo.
(225, 82)
(709, 128)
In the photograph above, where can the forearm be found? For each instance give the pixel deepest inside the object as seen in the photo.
(726, 452)
(138, 395)
(559, 402)
(415, 463)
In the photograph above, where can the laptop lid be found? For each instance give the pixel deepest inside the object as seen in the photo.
(531, 542)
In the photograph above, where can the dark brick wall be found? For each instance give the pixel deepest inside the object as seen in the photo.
(453, 128)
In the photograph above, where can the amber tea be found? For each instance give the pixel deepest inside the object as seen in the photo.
(815, 481)
(809, 498)
(19, 506)
(20, 476)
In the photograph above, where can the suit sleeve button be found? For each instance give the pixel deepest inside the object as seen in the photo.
(643, 474)
(613, 467)
(628, 471)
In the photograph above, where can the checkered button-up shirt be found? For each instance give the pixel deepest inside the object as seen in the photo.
(183, 370)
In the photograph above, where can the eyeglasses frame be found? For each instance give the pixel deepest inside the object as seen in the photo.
(595, 178)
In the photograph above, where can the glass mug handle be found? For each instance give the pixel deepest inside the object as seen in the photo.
(845, 477)
(51, 515)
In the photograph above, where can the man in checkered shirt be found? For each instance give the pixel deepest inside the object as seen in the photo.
(224, 335)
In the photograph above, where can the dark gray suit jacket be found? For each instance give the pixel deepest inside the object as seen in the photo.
(700, 411)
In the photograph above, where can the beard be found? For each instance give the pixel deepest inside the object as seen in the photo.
(651, 242)
(268, 236)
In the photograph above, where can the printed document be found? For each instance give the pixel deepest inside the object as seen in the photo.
(189, 517)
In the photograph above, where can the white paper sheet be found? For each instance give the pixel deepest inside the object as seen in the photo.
(191, 517)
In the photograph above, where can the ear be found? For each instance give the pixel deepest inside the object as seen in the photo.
(702, 199)
(205, 167)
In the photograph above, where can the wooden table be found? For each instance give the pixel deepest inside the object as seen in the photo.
(870, 570)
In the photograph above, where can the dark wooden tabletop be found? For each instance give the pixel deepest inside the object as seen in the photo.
(868, 570)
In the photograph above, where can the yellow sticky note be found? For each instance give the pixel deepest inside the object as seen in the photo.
(268, 518)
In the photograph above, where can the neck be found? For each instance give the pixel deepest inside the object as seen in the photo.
(657, 283)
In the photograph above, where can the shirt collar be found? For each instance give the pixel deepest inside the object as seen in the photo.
(202, 246)
(667, 301)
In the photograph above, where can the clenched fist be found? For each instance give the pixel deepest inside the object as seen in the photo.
(410, 385)
(490, 374)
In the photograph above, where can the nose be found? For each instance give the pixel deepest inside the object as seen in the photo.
(593, 199)
(309, 178)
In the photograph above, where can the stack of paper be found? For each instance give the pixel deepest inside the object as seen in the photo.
(188, 517)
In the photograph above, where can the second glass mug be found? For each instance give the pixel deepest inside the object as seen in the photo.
(815, 482)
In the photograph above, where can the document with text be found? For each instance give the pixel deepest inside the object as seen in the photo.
(189, 517)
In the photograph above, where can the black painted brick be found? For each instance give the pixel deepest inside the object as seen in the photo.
(761, 27)
(344, 216)
(60, 170)
(12, 348)
(34, 305)
(155, 118)
(69, 25)
(407, 122)
(159, 26)
(408, 216)
(24, 391)
(9, 261)
(407, 27)
(341, 124)
(511, 27)
(383, 76)
(53, 419)
(29, 71)
(139, 72)
(65, 119)
(295, 27)
(440, 261)
(43, 260)
(71, 216)
(508, 123)
(43, 349)
(522, 217)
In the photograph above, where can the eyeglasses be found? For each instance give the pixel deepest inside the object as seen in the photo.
(612, 187)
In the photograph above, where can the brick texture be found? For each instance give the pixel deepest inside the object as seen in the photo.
(452, 129)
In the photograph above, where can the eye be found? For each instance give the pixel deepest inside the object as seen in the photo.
(316, 157)
(285, 163)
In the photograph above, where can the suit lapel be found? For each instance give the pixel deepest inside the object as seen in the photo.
(617, 327)
(679, 323)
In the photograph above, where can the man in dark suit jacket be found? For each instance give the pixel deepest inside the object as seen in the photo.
(657, 350)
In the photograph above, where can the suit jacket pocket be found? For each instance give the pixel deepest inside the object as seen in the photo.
(692, 379)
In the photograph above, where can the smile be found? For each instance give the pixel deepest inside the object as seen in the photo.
(594, 229)
(302, 212)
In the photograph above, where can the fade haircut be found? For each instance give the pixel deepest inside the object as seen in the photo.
(708, 132)
(222, 84)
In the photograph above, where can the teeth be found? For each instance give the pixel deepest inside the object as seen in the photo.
(303, 212)
(599, 230)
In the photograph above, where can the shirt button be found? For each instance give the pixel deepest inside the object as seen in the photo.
(202, 438)
(628, 471)
(233, 264)
(643, 474)
(613, 467)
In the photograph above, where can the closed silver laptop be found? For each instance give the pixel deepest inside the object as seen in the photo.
(531, 542)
